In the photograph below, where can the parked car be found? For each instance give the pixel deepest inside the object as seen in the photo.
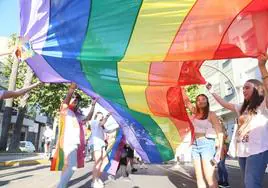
(27, 146)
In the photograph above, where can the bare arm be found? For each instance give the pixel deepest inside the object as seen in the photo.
(187, 101)
(102, 123)
(91, 112)
(17, 93)
(218, 128)
(67, 99)
(262, 59)
(220, 100)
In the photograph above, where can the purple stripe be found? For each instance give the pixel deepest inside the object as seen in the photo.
(43, 70)
(131, 138)
(34, 22)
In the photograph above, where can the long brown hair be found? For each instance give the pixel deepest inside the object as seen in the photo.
(255, 100)
(206, 109)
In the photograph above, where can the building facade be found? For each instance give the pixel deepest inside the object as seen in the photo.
(228, 78)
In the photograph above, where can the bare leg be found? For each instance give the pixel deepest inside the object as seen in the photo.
(97, 164)
(210, 175)
(199, 174)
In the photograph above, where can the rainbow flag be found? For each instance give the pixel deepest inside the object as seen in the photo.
(136, 54)
(114, 151)
(57, 162)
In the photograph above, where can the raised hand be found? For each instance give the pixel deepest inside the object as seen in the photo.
(209, 86)
(94, 101)
(262, 59)
(73, 86)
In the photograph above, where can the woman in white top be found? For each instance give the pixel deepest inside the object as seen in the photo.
(206, 128)
(97, 144)
(252, 133)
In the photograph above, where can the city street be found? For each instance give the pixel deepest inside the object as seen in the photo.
(157, 176)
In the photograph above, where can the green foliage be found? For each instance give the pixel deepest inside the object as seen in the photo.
(192, 91)
(46, 98)
(49, 97)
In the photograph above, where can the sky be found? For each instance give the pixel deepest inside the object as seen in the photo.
(9, 17)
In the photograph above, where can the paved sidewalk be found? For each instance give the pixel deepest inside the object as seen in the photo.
(20, 159)
(155, 176)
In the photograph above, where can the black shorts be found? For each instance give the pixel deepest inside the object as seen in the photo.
(130, 153)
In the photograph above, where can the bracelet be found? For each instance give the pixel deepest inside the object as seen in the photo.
(264, 77)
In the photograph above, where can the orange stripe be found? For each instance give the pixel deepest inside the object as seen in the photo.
(162, 76)
(200, 38)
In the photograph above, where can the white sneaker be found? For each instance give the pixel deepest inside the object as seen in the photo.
(100, 182)
(143, 166)
(111, 178)
(96, 184)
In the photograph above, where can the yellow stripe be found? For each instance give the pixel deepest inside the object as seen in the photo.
(155, 29)
(134, 90)
(134, 81)
(169, 130)
(61, 134)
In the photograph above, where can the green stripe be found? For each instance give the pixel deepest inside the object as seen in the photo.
(61, 159)
(156, 134)
(104, 80)
(105, 44)
(107, 36)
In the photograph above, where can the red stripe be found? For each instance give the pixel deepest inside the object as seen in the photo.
(203, 29)
(246, 35)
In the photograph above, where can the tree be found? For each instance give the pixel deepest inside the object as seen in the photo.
(192, 91)
(50, 96)
(46, 99)
(13, 65)
(22, 108)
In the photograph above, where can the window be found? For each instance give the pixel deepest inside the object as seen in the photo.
(228, 89)
(23, 144)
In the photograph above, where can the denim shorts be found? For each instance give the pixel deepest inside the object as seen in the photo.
(97, 146)
(203, 148)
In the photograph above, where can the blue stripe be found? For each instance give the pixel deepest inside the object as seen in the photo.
(141, 134)
(114, 149)
(65, 37)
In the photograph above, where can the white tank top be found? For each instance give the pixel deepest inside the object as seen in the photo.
(201, 125)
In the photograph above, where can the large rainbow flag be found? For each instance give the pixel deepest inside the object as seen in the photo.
(136, 54)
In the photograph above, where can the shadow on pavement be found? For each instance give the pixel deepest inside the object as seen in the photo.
(87, 184)
(23, 171)
(180, 180)
(77, 180)
(2, 183)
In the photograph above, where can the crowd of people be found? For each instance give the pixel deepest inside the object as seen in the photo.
(250, 143)
(209, 148)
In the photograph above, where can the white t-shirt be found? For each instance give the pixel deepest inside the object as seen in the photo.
(258, 134)
(71, 132)
(48, 134)
(1, 93)
(97, 133)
